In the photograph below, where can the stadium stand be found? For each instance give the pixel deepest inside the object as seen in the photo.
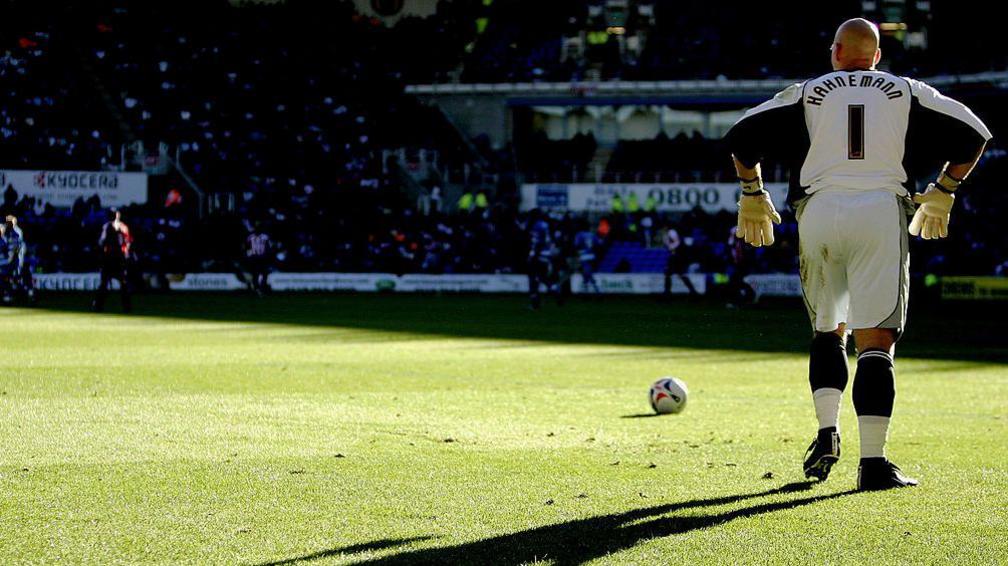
(292, 117)
(44, 116)
(655, 40)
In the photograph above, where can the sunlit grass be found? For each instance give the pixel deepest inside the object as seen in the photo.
(468, 430)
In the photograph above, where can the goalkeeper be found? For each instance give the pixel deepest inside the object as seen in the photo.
(854, 138)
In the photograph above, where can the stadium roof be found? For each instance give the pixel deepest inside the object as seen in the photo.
(617, 88)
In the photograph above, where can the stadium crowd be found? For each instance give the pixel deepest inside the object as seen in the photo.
(288, 110)
(660, 40)
(663, 159)
(378, 230)
(43, 102)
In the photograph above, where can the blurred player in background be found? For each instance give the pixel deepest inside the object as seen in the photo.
(17, 243)
(6, 265)
(549, 260)
(586, 244)
(540, 262)
(857, 134)
(258, 249)
(115, 245)
(676, 263)
(21, 282)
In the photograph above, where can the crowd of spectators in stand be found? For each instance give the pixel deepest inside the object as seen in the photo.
(315, 102)
(378, 230)
(661, 40)
(557, 160)
(682, 158)
(663, 159)
(288, 110)
(44, 122)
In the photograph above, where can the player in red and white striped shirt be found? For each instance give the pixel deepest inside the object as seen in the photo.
(257, 253)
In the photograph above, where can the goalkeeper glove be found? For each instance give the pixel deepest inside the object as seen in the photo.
(756, 215)
(931, 219)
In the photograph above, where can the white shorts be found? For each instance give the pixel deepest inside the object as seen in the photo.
(854, 259)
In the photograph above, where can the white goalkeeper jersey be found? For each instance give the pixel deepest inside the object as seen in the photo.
(857, 130)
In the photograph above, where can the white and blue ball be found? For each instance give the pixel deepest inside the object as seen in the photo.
(668, 395)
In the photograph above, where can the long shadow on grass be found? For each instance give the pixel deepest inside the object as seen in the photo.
(577, 542)
(366, 547)
(961, 332)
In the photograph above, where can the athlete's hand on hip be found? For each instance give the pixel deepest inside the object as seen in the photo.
(756, 217)
(932, 217)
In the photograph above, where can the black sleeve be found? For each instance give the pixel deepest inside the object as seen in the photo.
(744, 140)
(959, 141)
(933, 138)
(941, 129)
(773, 130)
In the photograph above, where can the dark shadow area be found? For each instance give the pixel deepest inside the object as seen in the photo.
(353, 549)
(640, 416)
(970, 332)
(583, 540)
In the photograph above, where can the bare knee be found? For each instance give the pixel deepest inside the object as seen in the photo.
(841, 331)
(875, 339)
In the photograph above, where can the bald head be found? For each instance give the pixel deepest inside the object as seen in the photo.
(856, 45)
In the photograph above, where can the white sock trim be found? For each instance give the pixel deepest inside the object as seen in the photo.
(874, 431)
(827, 406)
(876, 354)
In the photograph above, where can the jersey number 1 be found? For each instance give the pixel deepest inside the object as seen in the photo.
(855, 131)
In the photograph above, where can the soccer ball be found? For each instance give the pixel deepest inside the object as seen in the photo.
(668, 395)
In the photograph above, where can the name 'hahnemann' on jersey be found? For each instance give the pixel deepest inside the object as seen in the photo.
(853, 80)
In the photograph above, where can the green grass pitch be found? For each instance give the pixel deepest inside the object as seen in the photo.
(389, 429)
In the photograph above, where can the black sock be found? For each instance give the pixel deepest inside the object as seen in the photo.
(827, 362)
(874, 394)
(874, 384)
(827, 377)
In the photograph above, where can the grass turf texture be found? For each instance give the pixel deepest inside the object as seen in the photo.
(403, 429)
